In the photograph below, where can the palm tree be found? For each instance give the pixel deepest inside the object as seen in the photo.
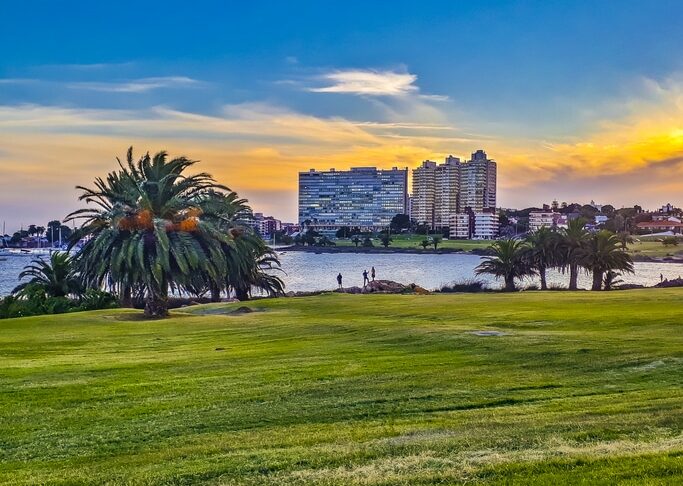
(55, 278)
(543, 251)
(509, 261)
(146, 233)
(435, 240)
(625, 239)
(574, 238)
(603, 255)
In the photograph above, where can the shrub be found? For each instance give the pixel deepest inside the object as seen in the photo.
(670, 241)
(95, 299)
(467, 285)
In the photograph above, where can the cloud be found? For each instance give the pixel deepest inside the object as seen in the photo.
(368, 82)
(142, 85)
(258, 149)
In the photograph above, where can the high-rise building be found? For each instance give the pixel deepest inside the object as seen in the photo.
(424, 188)
(363, 196)
(478, 182)
(441, 190)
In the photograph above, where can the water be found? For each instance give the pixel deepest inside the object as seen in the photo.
(309, 271)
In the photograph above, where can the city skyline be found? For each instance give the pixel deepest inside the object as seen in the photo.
(574, 101)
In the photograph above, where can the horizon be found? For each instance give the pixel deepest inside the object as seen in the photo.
(574, 102)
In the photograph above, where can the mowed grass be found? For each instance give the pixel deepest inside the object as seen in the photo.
(413, 241)
(580, 388)
(655, 249)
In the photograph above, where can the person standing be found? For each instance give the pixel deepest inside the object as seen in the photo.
(339, 280)
(366, 280)
(372, 273)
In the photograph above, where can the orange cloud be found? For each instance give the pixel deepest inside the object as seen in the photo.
(258, 149)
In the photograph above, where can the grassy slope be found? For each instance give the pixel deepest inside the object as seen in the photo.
(338, 389)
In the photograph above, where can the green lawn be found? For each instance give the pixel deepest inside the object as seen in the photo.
(351, 389)
(413, 241)
(655, 249)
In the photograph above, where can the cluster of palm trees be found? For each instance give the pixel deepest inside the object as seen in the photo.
(573, 249)
(153, 229)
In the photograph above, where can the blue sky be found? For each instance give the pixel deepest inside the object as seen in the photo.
(548, 87)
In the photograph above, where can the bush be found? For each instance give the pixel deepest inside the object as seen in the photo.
(467, 285)
(36, 303)
(95, 299)
(670, 241)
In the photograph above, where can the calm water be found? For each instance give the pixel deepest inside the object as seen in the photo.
(308, 271)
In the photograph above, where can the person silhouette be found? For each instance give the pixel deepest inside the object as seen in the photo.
(366, 280)
(339, 280)
(372, 273)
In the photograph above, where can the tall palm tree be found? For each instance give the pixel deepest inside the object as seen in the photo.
(146, 232)
(55, 277)
(509, 261)
(603, 255)
(543, 251)
(574, 239)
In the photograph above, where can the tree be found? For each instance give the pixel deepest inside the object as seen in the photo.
(603, 254)
(509, 261)
(399, 223)
(425, 243)
(367, 242)
(386, 239)
(435, 240)
(356, 240)
(543, 251)
(148, 233)
(343, 232)
(625, 239)
(574, 238)
(55, 277)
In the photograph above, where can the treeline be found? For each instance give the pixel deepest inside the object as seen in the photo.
(601, 254)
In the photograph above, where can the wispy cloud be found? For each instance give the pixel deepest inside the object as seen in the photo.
(142, 85)
(368, 82)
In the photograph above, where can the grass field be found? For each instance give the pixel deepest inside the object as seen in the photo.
(654, 249)
(413, 241)
(581, 388)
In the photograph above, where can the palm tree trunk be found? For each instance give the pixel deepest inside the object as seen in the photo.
(242, 294)
(126, 297)
(573, 276)
(156, 304)
(510, 283)
(541, 273)
(597, 280)
(215, 293)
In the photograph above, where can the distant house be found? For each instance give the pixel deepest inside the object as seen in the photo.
(549, 219)
(660, 225)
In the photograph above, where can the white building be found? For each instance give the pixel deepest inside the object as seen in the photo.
(459, 225)
(486, 225)
(483, 225)
(538, 219)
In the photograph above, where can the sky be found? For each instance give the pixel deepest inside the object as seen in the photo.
(576, 101)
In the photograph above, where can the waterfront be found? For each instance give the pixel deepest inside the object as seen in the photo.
(304, 271)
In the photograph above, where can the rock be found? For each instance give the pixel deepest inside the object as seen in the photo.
(676, 282)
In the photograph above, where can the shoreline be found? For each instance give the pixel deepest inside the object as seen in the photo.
(366, 250)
